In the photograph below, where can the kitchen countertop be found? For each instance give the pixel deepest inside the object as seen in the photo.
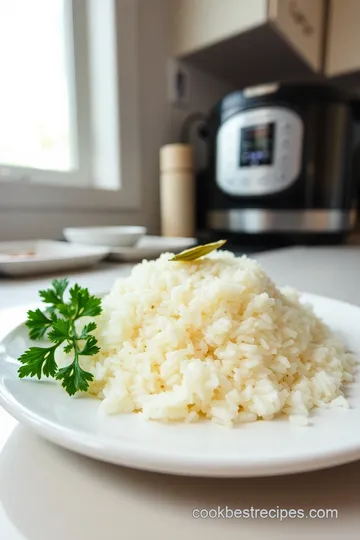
(50, 493)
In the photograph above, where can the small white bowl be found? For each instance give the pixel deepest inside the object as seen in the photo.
(105, 236)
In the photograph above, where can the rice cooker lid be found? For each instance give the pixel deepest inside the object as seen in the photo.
(274, 93)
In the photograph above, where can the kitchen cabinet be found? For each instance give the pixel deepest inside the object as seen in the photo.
(250, 40)
(343, 39)
(203, 23)
(302, 23)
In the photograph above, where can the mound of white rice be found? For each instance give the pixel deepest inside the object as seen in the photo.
(213, 339)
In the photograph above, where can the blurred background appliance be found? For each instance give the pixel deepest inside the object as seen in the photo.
(282, 165)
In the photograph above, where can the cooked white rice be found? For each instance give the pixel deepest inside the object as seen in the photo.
(213, 339)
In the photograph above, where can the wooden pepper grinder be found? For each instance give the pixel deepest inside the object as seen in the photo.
(177, 193)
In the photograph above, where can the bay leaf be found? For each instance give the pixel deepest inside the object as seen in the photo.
(196, 252)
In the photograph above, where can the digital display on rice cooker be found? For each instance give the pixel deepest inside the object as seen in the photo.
(257, 145)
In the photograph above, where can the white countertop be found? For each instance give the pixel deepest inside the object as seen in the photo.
(47, 493)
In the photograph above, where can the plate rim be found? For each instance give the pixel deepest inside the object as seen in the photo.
(88, 251)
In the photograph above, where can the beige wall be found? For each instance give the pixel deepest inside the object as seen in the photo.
(160, 122)
(154, 111)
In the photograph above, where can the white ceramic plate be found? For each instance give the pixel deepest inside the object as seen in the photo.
(105, 236)
(40, 256)
(150, 247)
(203, 449)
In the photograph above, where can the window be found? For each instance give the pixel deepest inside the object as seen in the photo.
(38, 102)
(61, 65)
(36, 86)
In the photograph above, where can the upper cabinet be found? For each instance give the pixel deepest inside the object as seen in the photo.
(251, 40)
(302, 23)
(203, 23)
(343, 39)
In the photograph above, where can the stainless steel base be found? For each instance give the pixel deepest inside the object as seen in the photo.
(281, 221)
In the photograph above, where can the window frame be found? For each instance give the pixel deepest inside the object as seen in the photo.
(29, 191)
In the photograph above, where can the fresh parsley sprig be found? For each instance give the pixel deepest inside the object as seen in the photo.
(57, 323)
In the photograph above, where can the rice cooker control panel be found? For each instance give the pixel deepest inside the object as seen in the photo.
(259, 151)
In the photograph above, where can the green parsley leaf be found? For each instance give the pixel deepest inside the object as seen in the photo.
(38, 361)
(38, 323)
(60, 286)
(90, 348)
(61, 330)
(92, 308)
(55, 295)
(68, 348)
(58, 322)
(67, 310)
(87, 306)
(74, 378)
(87, 329)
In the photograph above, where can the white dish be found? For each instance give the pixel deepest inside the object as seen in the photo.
(105, 236)
(203, 449)
(150, 247)
(39, 256)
